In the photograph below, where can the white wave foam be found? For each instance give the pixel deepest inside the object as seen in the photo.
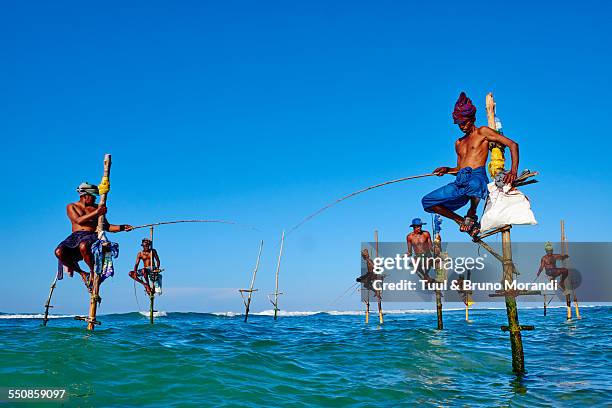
(32, 316)
(155, 314)
(285, 313)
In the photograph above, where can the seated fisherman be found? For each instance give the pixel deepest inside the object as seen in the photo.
(83, 216)
(471, 180)
(146, 276)
(419, 242)
(549, 263)
(368, 279)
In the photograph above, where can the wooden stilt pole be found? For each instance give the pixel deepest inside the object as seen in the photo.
(48, 302)
(564, 251)
(467, 313)
(150, 279)
(439, 309)
(276, 292)
(514, 328)
(545, 304)
(367, 302)
(247, 302)
(95, 293)
(381, 318)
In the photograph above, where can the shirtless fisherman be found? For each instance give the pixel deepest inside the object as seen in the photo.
(471, 180)
(368, 279)
(549, 264)
(83, 216)
(419, 242)
(146, 275)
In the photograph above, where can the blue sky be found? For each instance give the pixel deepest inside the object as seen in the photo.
(262, 113)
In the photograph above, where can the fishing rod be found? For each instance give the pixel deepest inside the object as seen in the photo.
(190, 221)
(363, 190)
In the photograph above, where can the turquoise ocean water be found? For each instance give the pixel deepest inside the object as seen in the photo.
(194, 359)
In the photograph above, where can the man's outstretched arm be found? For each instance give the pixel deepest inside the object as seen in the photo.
(493, 136)
(119, 228)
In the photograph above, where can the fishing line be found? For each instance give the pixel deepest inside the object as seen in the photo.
(136, 296)
(344, 293)
(191, 221)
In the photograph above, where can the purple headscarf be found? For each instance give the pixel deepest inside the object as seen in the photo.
(464, 110)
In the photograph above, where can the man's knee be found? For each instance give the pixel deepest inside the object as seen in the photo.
(84, 248)
(59, 252)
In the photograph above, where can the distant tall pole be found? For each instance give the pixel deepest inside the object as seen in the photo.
(152, 294)
(380, 312)
(248, 301)
(276, 293)
(565, 251)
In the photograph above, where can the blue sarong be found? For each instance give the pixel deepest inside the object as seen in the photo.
(469, 183)
(71, 246)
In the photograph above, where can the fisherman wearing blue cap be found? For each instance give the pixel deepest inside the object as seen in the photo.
(419, 243)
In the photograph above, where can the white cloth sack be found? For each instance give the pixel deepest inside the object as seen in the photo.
(505, 207)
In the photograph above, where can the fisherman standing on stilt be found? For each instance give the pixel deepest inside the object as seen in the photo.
(549, 264)
(368, 278)
(83, 216)
(471, 180)
(419, 243)
(149, 274)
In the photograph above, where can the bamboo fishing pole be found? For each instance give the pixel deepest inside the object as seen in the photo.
(95, 291)
(380, 312)
(155, 224)
(276, 292)
(250, 291)
(363, 190)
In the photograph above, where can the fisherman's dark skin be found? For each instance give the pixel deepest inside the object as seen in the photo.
(419, 242)
(472, 151)
(368, 279)
(145, 257)
(549, 264)
(83, 216)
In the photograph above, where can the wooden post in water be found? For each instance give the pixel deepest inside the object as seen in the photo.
(95, 292)
(152, 294)
(247, 302)
(514, 328)
(48, 302)
(439, 309)
(564, 251)
(276, 292)
(381, 318)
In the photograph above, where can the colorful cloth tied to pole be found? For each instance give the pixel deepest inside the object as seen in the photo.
(104, 252)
